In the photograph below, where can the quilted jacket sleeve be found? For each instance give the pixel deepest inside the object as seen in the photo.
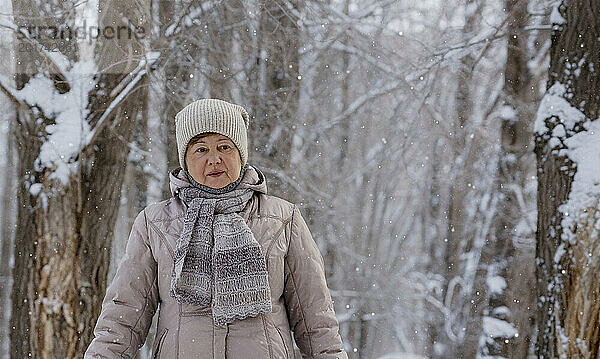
(130, 302)
(308, 301)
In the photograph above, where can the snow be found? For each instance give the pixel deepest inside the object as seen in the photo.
(70, 131)
(189, 19)
(496, 284)
(554, 142)
(501, 311)
(559, 131)
(498, 328)
(65, 136)
(560, 250)
(555, 16)
(35, 188)
(554, 104)
(583, 148)
(508, 113)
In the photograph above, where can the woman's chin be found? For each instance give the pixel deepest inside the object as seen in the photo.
(216, 184)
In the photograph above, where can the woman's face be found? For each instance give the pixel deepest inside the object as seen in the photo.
(213, 160)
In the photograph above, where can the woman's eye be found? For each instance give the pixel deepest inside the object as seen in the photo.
(201, 150)
(225, 147)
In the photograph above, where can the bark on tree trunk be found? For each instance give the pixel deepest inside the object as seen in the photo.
(567, 246)
(64, 231)
(23, 337)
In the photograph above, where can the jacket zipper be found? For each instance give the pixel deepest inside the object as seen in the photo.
(161, 340)
(287, 355)
(267, 337)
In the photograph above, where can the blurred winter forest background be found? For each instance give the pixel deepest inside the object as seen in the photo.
(404, 130)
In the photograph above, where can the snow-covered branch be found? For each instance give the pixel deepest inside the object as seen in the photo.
(118, 94)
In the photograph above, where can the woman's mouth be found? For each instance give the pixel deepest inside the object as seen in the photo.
(216, 174)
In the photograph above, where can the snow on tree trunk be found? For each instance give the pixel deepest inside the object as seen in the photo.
(567, 136)
(74, 125)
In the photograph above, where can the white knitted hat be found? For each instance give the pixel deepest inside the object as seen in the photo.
(212, 115)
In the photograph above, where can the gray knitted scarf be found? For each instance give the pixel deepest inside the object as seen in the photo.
(218, 262)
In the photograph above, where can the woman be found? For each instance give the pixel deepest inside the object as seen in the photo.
(234, 269)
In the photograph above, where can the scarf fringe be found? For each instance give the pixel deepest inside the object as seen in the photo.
(223, 318)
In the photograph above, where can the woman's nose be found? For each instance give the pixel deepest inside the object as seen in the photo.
(214, 159)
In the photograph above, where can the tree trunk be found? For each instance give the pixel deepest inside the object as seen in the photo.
(24, 298)
(176, 83)
(464, 303)
(512, 255)
(222, 28)
(276, 102)
(6, 237)
(566, 147)
(65, 225)
(22, 337)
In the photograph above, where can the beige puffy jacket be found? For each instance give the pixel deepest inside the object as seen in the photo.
(300, 297)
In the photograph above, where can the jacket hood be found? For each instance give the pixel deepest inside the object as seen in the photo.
(253, 179)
